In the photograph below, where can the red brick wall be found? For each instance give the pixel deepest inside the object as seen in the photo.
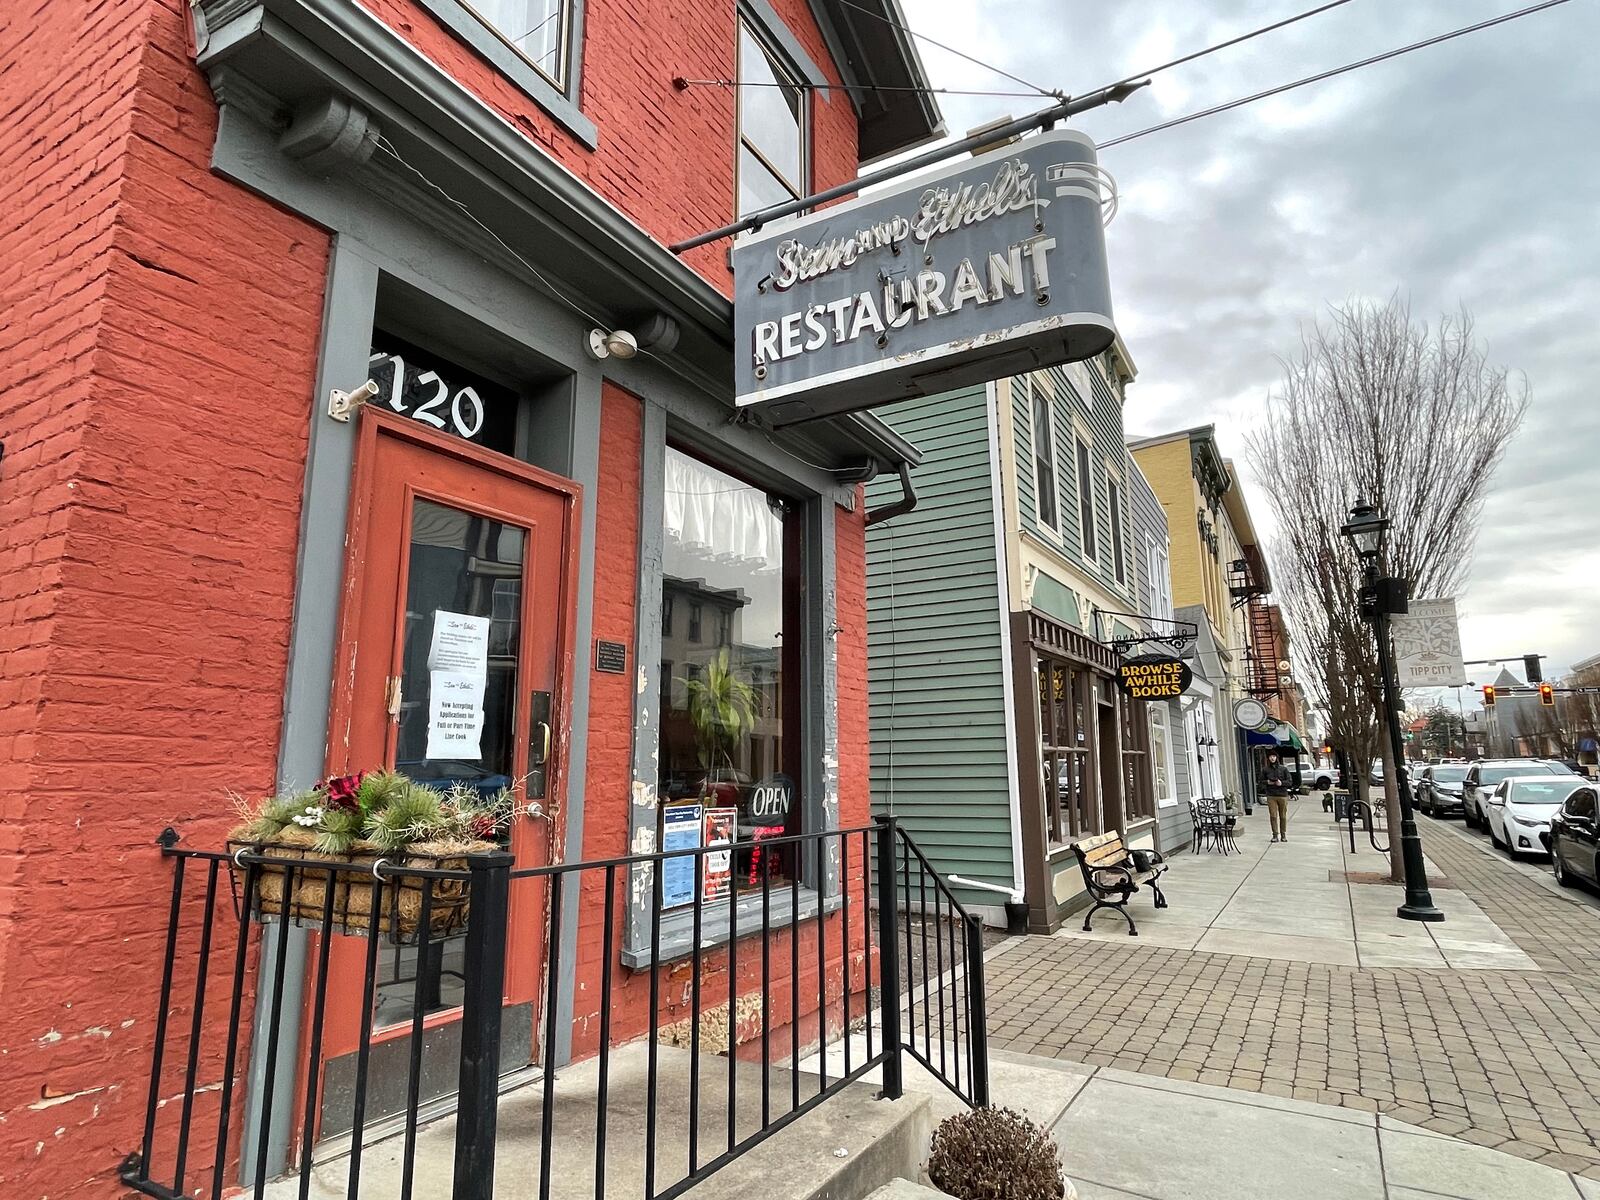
(153, 402)
(156, 376)
(665, 157)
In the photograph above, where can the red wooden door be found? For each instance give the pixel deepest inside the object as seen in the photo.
(445, 534)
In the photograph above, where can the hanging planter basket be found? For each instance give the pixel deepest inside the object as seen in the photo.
(299, 889)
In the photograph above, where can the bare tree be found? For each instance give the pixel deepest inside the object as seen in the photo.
(1376, 406)
(1543, 731)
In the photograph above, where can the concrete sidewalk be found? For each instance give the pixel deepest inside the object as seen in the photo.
(1125, 1136)
(1295, 901)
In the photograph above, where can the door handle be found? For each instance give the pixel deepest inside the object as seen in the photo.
(541, 743)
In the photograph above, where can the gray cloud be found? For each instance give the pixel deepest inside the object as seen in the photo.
(1463, 174)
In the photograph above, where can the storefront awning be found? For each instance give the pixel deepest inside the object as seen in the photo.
(1282, 734)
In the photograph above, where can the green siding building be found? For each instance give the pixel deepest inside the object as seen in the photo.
(1035, 540)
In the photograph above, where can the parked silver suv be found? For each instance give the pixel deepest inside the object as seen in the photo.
(1482, 777)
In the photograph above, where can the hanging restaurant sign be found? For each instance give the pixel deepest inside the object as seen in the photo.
(964, 274)
(1154, 677)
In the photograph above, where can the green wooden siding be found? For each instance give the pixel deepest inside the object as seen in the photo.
(936, 680)
(1100, 414)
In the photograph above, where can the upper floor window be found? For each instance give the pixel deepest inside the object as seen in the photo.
(536, 29)
(1114, 503)
(772, 127)
(1160, 579)
(1086, 501)
(1044, 456)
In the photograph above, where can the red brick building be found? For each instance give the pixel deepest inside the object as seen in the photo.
(219, 214)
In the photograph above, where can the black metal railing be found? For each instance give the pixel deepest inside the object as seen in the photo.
(897, 966)
(942, 951)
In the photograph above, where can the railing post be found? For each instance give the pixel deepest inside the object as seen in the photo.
(478, 1102)
(977, 1013)
(888, 956)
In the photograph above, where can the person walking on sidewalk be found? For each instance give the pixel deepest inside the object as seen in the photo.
(1275, 782)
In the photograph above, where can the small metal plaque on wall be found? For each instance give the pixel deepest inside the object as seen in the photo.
(611, 657)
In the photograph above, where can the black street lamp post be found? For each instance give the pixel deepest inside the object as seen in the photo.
(1382, 596)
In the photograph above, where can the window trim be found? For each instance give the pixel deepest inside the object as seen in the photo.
(1158, 565)
(558, 99)
(1115, 495)
(810, 510)
(1168, 759)
(1083, 468)
(1032, 392)
(762, 32)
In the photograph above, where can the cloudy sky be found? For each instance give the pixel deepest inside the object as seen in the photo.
(1466, 173)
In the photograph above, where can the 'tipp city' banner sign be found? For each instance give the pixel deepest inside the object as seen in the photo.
(974, 271)
(1427, 645)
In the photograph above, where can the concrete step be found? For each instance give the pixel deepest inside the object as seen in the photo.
(843, 1149)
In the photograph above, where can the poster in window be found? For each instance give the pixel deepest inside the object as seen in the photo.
(717, 874)
(680, 830)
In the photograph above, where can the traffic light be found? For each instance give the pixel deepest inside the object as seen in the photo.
(1488, 695)
(1327, 749)
(1531, 668)
(1547, 695)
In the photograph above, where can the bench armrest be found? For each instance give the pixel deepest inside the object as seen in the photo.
(1122, 879)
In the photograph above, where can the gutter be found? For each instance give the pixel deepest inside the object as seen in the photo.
(897, 508)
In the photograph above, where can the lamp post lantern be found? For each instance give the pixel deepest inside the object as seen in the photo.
(1382, 596)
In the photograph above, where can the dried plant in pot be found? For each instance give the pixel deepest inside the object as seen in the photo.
(359, 821)
(996, 1154)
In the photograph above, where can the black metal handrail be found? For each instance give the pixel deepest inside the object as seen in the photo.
(962, 1035)
(212, 963)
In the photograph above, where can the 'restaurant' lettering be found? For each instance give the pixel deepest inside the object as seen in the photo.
(1021, 267)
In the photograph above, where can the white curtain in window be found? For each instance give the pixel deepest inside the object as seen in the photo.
(717, 519)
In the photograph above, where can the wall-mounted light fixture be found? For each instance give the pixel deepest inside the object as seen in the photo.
(619, 343)
(657, 332)
(342, 404)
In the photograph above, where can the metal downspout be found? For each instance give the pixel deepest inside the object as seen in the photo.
(900, 507)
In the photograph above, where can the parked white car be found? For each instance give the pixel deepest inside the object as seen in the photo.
(1482, 778)
(1520, 809)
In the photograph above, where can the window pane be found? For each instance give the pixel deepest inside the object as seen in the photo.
(1085, 502)
(1114, 496)
(728, 742)
(465, 575)
(770, 110)
(1044, 467)
(758, 187)
(538, 28)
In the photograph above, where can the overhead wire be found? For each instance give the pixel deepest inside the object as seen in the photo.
(1335, 71)
(988, 66)
(384, 144)
(1233, 41)
(681, 83)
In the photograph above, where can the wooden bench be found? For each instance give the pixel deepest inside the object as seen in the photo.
(1112, 878)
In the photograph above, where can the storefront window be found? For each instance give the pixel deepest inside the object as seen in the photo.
(1161, 764)
(1064, 753)
(1136, 775)
(730, 741)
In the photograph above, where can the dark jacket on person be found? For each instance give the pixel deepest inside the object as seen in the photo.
(1276, 780)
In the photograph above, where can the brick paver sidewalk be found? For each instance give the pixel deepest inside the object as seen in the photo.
(1505, 1059)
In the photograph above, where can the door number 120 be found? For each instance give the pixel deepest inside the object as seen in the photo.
(465, 408)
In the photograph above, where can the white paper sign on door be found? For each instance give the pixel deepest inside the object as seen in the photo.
(460, 643)
(455, 715)
(458, 671)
